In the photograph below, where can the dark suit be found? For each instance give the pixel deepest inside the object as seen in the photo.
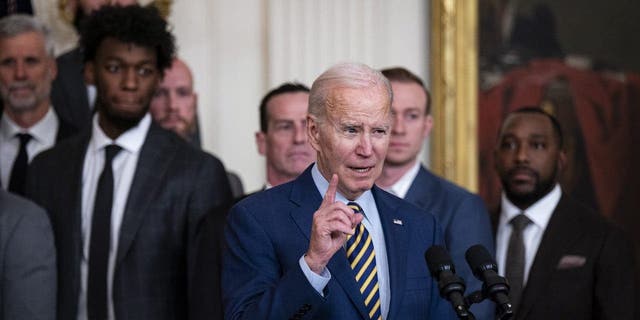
(69, 91)
(22, 6)
(173, 188)
(583, 269)
(65, 130)
(268, 232)
(27, 261)
(207, 290)
(464, 220)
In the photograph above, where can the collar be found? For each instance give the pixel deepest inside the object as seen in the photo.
(365, 200)
(40, 131)
(540, 212)
(401, 187)
(131, 140)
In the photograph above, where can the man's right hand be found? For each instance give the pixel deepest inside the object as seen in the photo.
(332, 222)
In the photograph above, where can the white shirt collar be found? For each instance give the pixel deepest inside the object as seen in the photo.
(539, 213)
(401, 187)
(40, 131)
(131, 140)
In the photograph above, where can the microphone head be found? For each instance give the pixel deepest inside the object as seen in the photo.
(480, 260)
(438, 260)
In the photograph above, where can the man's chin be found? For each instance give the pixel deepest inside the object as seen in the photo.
(298, 167)
(521, 190)
(22, 104)
(397, 160)
(124, 121)
(351, 190)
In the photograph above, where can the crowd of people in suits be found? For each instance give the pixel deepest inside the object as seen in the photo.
(109, 209)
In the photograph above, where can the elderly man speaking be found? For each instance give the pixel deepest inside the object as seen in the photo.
(330, 244)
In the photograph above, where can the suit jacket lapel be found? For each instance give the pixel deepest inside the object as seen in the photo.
(419, 190)
(73, 191)
(305, 195)
(396, 239)
(559, 235)
(155, 156)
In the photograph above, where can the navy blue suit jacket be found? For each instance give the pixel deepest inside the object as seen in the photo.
(268, 232)
(464, 220)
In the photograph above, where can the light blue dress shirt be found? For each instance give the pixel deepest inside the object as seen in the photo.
(372, 222)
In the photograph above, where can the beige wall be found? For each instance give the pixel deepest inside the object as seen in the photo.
(240, 49)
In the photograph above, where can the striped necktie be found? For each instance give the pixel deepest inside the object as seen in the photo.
(362, 259)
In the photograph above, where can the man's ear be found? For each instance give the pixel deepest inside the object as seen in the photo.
(261, 142)
(89, 73)
(562, 160)
(495, 159)
(53, 68)
(313, 132)
(195, 102)
(428, 125)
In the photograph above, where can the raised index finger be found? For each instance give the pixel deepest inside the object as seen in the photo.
(330, 195)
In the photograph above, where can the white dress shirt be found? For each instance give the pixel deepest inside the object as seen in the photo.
(539, 213)
(43, 135)
(124, 167)
(401, 187)
(372, 222)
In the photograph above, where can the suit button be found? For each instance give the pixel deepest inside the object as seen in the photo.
(306, 307)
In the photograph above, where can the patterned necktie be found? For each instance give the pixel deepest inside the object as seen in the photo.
(20, 164)
(514, 271)
(101, 239)
(362, 259)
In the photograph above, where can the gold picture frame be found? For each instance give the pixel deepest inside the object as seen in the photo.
(454, 78)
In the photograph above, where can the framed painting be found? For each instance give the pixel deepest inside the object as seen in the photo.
(575, 59)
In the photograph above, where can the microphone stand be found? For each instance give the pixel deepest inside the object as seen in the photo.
(505, 311)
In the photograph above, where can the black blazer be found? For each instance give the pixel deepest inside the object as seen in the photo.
(173, 188)
(65, 128)
(69, 91)
(584, 269)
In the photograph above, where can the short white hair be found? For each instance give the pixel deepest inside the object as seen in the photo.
(344, 75)
(17, 24)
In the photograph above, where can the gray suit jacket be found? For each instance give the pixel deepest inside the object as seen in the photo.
(27, 261)
(173, 188)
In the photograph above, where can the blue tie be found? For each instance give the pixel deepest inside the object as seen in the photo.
(362, 259)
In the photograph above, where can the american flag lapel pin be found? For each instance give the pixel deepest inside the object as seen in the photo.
(397, 221)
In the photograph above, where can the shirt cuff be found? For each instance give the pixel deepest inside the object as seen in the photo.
(317, 281)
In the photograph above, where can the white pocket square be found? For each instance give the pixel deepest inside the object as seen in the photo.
(571, 261)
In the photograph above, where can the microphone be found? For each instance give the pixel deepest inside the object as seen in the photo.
(451, 286)
(494, 286)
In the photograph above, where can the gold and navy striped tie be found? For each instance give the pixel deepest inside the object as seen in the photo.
(362, 259)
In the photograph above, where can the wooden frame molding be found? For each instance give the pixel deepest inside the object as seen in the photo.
(454, 65)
